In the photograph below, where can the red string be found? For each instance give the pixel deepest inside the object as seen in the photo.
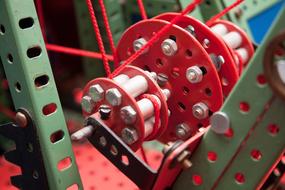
(99, 38)
(142, 9)
(109, 32)
(156, 114)
(189, 8)
(222, 13)
(144, 155)
(39, 5)
(76, 52)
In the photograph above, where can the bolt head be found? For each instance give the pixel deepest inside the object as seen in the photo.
(21, 119)
(87, 104)
(114, 97)
(105, 111)
(139, 43)
(96, 92)
(191, 30)
(220, 122)
(182, 131)
(129, 135)
(128, 115)
(200, 110)
(169, 47)
(194, 74)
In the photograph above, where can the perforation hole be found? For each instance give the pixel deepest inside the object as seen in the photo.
(261, 80)
(41, 81)
(172, 37)
(204, 70)
(208, 92)
(2, 29)
(239, 178)
(188, 53)
(186, 90)
(255, 155)
(212, 156)
(10, 58)
(18, 87)
(159, 62)
(34, 52)
(244, 107)
(175, 72)
(25, 23)
(273, 129)
(229, 133)
(181, 107)
(49, 109)
(56, 136)
(64, 164)
(73, 187)
(197, 180)
(114, 150)
(125, 160)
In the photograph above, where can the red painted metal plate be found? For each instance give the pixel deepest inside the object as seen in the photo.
(246, 42)
(115, 122)
(228, 73)
(183, 93)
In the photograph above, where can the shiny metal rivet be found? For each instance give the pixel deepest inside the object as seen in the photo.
(194, 74)
(169, 47)
(21, 119)
(191, 30)
(220, 122)
(200, 110)
(182, 131)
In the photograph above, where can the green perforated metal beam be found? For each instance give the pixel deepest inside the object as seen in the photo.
(232, 156)
(32, 86)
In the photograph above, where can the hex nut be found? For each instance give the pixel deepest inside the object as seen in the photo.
(114, 97)
(169, 47)
(129, 135)
(87, 104)
(128, 115)
(96, 92)
(200, 110)
(194, 74)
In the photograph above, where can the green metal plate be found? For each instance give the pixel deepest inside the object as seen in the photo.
(32, 86)
(248, 91)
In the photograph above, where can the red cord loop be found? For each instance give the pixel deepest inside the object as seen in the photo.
(189, 8)
(109, 32)
(99, 38)
(156, 107)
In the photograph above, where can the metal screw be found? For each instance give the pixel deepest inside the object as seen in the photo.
(194, 74)
(96, 92)
(206, 43)
(87, 104)
(128, 115)
(114, 97)
(169, 47)
(129, 135)
(200, 110)
(162, 79)
(217, 60)
(191, 30)
(182, 130)
(139, 43)
(105, 111)
(220, 122)
(183, 158)
(153, 75)
(21, 119)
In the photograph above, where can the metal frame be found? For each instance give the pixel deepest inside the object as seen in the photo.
(233, 154)
(32, 87)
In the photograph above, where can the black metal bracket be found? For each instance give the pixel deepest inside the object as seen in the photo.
(113, 148)
(27, 155)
